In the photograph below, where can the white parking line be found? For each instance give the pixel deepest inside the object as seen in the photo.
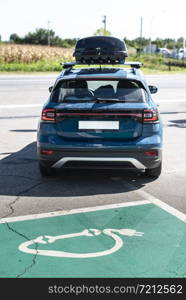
(20, 106)
(149, 199)
(169, 100)
(8, 89)
(27, 80)
(163, 205)
(72, 211)
(171, 210)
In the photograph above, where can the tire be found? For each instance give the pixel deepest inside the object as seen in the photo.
(46, 170)
(155, 172)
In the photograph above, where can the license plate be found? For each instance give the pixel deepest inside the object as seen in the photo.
(98, 125)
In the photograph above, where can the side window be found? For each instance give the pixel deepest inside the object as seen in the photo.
(57, 93)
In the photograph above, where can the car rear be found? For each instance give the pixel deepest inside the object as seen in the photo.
(99, 122)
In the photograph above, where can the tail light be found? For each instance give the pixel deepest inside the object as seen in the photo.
(150, 116)
(46, 152)
(151, 153)
(48, 114)
(130, 114)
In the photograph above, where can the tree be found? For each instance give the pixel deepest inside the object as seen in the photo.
(159, 43)
(40, 37)
(68, 43)
(43, 36)
(129, 43)
(101, 31)
(179, 43)
(169, 43)
(14, 37)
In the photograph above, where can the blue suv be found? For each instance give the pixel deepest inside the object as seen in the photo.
(100, 117)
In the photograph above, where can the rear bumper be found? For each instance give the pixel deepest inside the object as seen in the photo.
(126, 162)
(101, 159)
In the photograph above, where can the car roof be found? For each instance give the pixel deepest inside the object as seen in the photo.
(102, 73)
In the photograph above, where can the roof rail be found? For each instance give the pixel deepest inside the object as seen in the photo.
(133, 64)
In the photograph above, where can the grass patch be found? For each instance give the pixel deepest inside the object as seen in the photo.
(39, 66)
(156, 64)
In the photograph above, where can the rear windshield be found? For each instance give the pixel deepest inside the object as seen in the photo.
(92, 90)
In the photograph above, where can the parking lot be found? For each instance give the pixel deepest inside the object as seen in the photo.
(75, 201)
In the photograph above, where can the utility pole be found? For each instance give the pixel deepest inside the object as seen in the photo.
(184, 43)
(141, 34)
(104, 22)
(48, 33)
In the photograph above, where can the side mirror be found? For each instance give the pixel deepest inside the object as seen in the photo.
(153, 89)
(50, 89)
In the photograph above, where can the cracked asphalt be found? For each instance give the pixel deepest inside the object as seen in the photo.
(22, 189)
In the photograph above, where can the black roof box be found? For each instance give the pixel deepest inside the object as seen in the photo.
(100, 50)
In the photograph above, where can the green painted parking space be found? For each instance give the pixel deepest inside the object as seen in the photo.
(139, 240)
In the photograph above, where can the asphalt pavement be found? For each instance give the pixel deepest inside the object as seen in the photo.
(23, 191)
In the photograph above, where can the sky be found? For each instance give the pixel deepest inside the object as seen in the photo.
(81, 18)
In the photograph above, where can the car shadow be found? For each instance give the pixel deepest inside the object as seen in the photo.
(20, 176)
(24, 130)
(172, 112)
(178, 123)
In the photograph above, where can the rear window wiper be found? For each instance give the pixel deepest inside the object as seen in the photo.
(108, 100)
(75, 101)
